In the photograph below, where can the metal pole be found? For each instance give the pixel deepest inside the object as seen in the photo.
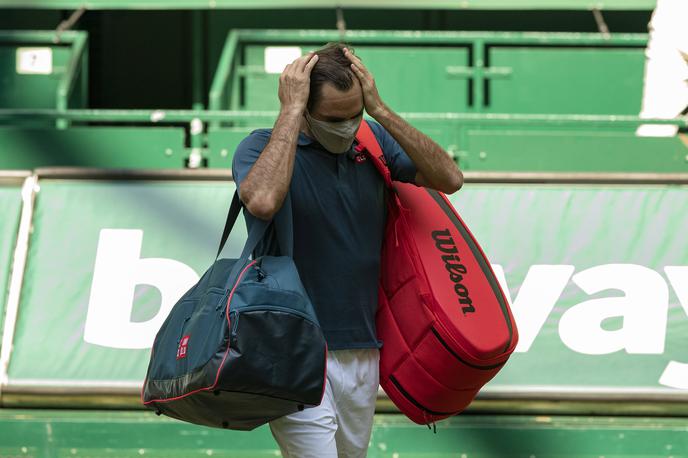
(18, 265)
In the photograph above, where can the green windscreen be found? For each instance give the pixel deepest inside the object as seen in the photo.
(597, 275)
(106, 263)
(597, 278)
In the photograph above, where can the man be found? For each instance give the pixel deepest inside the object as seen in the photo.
(339, 213)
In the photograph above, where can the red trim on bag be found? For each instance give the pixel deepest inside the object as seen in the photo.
(217, 376)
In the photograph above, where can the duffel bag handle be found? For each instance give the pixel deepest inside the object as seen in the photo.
(283, 226)
(232, 216)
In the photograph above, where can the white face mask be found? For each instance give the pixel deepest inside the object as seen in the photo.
(335, 137)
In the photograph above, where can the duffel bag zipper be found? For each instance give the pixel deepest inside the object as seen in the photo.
(261, 273)
(181, 331)
(221, 303)
(275, 307)
(264, 277)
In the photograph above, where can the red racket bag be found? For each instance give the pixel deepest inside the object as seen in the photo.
(444, 321)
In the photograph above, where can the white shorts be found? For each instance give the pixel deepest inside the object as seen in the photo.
(341, 425)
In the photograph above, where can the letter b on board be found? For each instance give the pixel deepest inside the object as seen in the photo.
(118, 269)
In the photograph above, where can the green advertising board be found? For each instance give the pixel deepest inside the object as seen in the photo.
(106, 263)
(598, 282)
(597, 275)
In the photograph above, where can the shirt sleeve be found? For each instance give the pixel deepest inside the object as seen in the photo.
(247, 153)
(400, 164)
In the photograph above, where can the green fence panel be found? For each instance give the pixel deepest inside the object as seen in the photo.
(222, 144)
(522, 148)
(108, 147)
(260, 4)
(478, 145)
(33, 90)
(60, 433)
(598, 276)
(94, 249)
(10, 209)
(561, 80)
(409, 78)
(560, 150)
(40, 72)
(452, 72)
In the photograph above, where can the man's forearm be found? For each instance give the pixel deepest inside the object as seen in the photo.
(430, 159)
(265, 186)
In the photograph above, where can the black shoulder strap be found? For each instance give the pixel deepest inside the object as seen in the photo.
(283, 226)
(232, 216)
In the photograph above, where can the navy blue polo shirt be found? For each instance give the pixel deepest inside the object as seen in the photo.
(339, 216)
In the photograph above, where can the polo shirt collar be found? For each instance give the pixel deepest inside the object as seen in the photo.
(305, 140)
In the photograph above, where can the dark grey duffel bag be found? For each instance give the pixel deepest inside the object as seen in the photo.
(243, 346)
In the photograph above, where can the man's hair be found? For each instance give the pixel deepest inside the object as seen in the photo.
(332, 67)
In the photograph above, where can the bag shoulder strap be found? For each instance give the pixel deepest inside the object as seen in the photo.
(284, 227)
(232, 216)
(368, 142)
(282, 221)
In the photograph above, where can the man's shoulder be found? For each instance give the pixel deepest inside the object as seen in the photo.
(256, 137)
(376, 127)
(380, 132)
(265, 132)
(250, 147)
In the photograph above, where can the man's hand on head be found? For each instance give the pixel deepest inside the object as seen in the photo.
(371, 98)
(435, 169)
(294, 84)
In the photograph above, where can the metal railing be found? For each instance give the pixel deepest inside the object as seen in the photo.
(160, 117)
(223, 89)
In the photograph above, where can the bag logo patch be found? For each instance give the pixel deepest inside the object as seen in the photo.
(445, 243)
(183, 344)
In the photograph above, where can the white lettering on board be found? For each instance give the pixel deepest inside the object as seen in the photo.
(676, 374)
(643, 306)
(118, 269)
(540, 290)
(641, 302)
